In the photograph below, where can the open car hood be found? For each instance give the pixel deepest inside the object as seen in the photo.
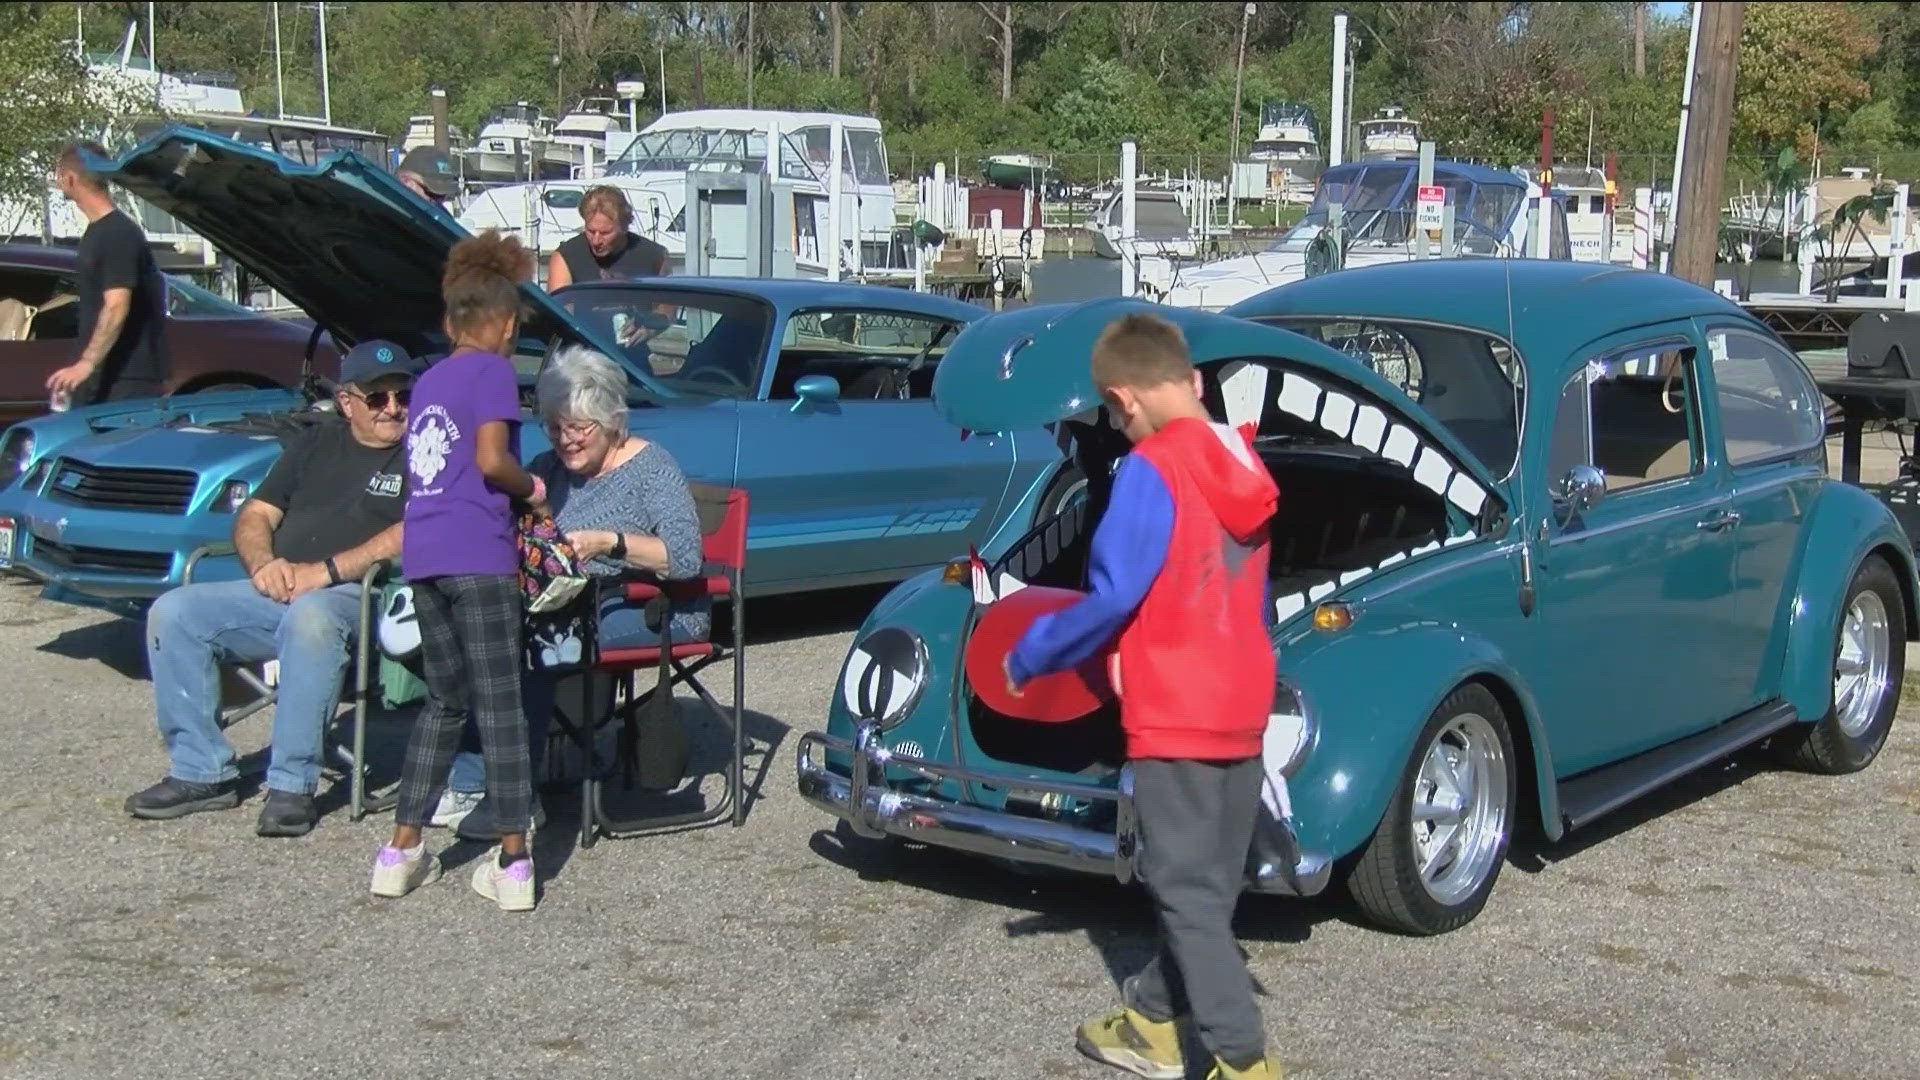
(344, 240)
(1032, 367)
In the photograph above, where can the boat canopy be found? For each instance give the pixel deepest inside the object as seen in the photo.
(1378, 203)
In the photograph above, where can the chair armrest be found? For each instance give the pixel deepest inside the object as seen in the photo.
(204, 551)
(680, 590)
(376, 570)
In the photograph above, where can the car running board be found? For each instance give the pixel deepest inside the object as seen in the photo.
(1589, 795)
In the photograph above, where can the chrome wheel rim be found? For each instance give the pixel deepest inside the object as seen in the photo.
(1459, 818)
(1862, 666)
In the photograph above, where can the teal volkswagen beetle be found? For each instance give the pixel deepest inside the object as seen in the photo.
(1550, 536)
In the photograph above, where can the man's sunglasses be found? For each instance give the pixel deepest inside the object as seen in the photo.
(378, 399)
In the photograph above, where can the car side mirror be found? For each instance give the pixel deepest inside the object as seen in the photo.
(815, 390)
(1578, 491)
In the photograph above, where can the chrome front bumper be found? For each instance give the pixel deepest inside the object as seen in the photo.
(873, 808)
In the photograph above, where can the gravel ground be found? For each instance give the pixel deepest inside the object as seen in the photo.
(1748, 923)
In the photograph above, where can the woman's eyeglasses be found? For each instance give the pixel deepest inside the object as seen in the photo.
(570, 430)
(378, 399)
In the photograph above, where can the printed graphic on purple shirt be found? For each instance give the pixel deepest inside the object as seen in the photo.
(456, 523)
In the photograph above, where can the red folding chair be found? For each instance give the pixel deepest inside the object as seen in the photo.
(723, 526)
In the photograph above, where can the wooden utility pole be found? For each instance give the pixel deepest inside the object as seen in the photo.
(1640, 40)
(1239, 72)
(1696, 243)
(750, 64)
(833, 16)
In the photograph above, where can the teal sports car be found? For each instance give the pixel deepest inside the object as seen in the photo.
(1550, 535)
(813, 396)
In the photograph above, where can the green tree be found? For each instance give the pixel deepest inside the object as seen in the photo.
(1799, 63)
(47, 99)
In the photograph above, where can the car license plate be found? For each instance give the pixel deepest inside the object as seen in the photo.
(6, 542)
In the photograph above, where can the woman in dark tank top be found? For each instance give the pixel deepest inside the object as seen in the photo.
(606, 247)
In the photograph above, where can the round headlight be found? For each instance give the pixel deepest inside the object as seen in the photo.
(232, 495)
(15, 452)
(885, 676)
(1290, 729)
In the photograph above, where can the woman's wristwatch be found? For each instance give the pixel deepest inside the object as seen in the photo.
(619, 550)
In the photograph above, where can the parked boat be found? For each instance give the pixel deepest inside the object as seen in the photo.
(579, 140)
(1390, 133)
(652, 172)
(1162, 225)
(1016, 171)
(206, 100)
(1289, 143)
(1582, 193)
(1492, 217)
(420, 133)
(503, 152)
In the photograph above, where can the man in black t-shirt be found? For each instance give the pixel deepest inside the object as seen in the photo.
(330, 508)
(123, 298)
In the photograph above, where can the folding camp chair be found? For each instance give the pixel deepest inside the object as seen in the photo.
(360, 693)
(723, 525)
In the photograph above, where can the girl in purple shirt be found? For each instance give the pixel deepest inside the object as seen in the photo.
(458, 551)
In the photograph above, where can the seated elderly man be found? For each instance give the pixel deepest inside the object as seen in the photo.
(329, 509)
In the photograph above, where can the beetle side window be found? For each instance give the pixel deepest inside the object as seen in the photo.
(1633, 415)
(1768, 404)
(874, 355)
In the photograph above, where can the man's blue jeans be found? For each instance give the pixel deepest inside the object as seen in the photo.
(193, 629)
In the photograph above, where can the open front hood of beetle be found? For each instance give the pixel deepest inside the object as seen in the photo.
(344, 239)
(1032, 367)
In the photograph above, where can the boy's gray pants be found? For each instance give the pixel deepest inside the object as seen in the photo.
(1196, 824)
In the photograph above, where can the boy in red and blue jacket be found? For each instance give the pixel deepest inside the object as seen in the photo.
(1178, 578)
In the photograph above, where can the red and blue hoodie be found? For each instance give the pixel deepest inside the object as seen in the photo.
(1178, 582)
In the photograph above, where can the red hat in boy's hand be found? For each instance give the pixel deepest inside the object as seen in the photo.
(1063, 696)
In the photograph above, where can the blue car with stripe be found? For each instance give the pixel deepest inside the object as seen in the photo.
(813, 396)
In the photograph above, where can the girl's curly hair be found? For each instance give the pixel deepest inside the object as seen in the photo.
(483, 278)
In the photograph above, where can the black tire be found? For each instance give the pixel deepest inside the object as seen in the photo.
(1068, 482)
(1827, 746)
(1386, 880)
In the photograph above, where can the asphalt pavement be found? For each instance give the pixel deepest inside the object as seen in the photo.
(1751, 922)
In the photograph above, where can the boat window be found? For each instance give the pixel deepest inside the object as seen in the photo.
(722, 151)
(874, 355)
(698, 343)
(869, 157)
(1769, 405)
(1470, 383)
(1633, 415)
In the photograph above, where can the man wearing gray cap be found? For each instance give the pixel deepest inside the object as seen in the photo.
(330, 508)
(429, 173)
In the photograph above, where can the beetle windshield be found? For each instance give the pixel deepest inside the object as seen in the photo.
(1469, 382)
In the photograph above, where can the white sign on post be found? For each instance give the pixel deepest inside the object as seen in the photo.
(1427, 213)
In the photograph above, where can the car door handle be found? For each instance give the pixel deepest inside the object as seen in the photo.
(1725, 519)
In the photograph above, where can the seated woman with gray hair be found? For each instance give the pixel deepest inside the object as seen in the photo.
(626, 508)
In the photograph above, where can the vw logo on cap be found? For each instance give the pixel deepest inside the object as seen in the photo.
(385, 355)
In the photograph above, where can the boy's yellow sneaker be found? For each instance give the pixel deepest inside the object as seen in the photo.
(1128, 1040)
(1267, 1068)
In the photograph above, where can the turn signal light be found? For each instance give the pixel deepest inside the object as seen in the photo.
(957, 572)
(1333, 617)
